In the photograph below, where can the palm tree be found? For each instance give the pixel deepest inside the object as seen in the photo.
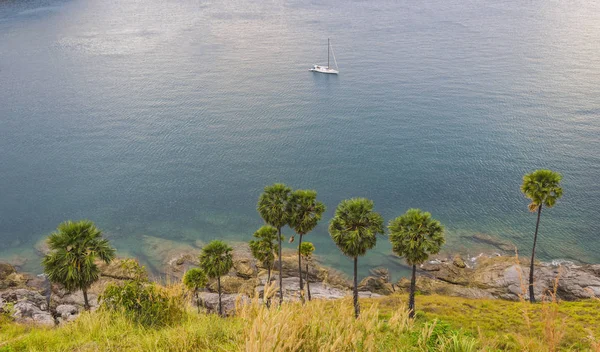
(74, 248)
(414, 236)
(216, 260)
(272, 207)
(195, 279)
(305, 212)
(264, 247)
(354, 230)
(543, 188)
(306, 250)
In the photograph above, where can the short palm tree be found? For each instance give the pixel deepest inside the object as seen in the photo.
(543, 188)
(263, 248)
(306, 250)
(195, 279)
(216, 260)
(305, 212)
(74, 249)
(414, 236)
(272, 207)
(354, 229)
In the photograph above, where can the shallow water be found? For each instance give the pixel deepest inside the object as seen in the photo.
(167, 118)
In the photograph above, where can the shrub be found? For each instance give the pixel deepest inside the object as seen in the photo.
(146, 303)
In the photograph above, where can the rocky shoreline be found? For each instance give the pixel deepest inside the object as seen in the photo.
(31, 299)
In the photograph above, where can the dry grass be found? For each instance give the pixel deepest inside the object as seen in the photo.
(442, 324)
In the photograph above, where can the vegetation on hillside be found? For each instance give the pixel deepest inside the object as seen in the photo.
(441, 324)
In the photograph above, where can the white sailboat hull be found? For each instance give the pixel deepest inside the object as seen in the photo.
(323, 69)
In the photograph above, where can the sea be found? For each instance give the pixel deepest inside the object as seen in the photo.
(162, 121)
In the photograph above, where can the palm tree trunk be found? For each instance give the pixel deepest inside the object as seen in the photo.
(197, 300)
(411, 296)
(86, 303)
(219, 288)
(300, 263)
(307, 283)
(280, 268)
(537, 226)
(355, 293)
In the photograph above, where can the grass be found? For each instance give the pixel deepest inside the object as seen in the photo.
(442, 324)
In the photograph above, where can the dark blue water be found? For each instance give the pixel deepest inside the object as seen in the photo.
(167, 118)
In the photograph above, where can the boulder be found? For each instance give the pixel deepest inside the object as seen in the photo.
(458, 261)
(5, 270)
(66, 313)
(234, 285)
(228, 301)
(376, 285)
(27, 307)
(27, 312)
(244, 268)
(381, 272)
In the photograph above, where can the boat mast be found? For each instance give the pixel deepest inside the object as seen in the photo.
(327, 52)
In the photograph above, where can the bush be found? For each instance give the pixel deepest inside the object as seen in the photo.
(144, 302)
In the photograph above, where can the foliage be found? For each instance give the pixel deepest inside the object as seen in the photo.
(265, 245)
(216, 259)
(542, 187)
(195, 279)
(74, 248)
(415, 235)
(355, 226)
(304, 211)
(273, 205)
(145, 303)
(307, 249)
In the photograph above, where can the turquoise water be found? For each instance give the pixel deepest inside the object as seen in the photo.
(167, 118)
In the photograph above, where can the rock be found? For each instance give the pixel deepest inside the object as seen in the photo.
(10, 278)
(5, 270)
(244, 268)
(28, 307)
(119, 268)
(27, 312)
(459, 262)
(428, 285)
(41, 247)
(507, 278)
(169, 253)
(66, 313)
(24, 295)
(376, 285)
(382, 273)
(234, 284)
(228, 301)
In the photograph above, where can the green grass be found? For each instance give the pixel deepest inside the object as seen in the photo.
(442, 324)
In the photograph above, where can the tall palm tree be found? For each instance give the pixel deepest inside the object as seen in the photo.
(305, 212)
(543, 188)
(354, 229)
(272, 207)
(306, 250)
(74, 248)
(264, 247)
(414, 236)
(194, 279)
(216, 260)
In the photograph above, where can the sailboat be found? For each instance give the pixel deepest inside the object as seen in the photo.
(327, 69)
